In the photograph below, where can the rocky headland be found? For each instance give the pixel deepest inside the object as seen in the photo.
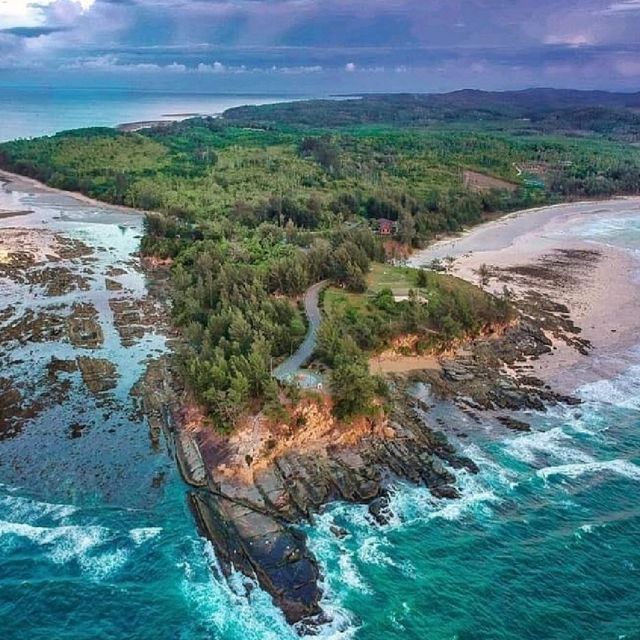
(253, 489)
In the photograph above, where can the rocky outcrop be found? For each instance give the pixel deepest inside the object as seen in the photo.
(252, 490)
(252, 515)
(252, 525)
(83, 327)
(189, 459)
(11, 409)
(489, 376)
(134, 316)
(260, 546)
(252, 521)
(100, 375)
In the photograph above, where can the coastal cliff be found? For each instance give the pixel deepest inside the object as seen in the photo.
(252, 490)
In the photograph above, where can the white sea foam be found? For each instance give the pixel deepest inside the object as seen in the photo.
(350, 575)
(622, 391)
(64, 544)
(475, 501)
(141, 535)
(617, 231)
(584, 420)
(494, 474)
(343, 554)
(254, 615)
(366, 544)
(393, 617)
(410, 503)
(553, 442)
(19, 509)
(67, 541)
(586, 528)
(620, 467)
(103, 565)
(371, 552)
(213, 599)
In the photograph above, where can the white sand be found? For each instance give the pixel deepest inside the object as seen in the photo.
(605, 303)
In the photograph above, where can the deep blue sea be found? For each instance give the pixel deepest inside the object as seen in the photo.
(97, 543)
(27, 112)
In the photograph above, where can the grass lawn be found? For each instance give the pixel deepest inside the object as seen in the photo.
(381, 276)
(386, 276)
(400, 280)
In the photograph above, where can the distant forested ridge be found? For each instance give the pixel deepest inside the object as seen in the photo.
(254, 207)
(533, 110)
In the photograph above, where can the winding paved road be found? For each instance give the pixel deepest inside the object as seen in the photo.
(290, 367)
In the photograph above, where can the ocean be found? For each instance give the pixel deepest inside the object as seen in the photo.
(27, 112)
(97, 542)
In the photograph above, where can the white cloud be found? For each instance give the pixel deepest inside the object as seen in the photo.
(27, 13)
(571, 40)
(628, 67)
(216, 67)
(297, 70)
(625, 6)
(22, 13)
(350, 67)
(111, 63)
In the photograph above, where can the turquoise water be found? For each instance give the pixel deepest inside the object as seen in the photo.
(96, 539)
(97, 542)
(35, 111)
(544, 543)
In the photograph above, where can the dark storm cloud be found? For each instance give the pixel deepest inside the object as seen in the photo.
(481, 42)
(32, 32)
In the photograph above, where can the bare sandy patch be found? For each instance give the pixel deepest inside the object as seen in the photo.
(403, 364)
(481, 182)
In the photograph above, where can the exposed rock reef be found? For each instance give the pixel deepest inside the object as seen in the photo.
(249, 512)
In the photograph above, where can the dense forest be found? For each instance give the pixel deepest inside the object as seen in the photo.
(254, 207)
(566, 112)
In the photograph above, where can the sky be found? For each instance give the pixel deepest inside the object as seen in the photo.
(322, 46)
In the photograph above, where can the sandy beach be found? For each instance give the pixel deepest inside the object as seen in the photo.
(16, 182)
(601, 292)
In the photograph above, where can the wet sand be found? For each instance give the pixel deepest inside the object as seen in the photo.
(603, 297)
(17, 183)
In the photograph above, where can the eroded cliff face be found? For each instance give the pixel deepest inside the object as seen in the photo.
(254, 488)
(257, 485)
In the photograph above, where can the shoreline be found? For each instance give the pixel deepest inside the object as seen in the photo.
(457, 245)
(255, 488)
(520, 237)
(512, 239)
(19, 182)
(602, 299)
